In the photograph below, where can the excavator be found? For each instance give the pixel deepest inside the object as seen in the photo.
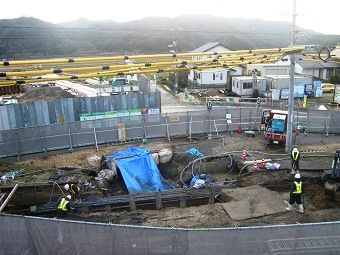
(332, 184)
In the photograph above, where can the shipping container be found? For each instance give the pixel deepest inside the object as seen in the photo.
(283, 81)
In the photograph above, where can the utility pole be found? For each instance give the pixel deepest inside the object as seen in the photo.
(174, 52)
(176, 73)
(291, 85)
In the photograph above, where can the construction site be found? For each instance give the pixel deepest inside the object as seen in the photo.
(190, 182)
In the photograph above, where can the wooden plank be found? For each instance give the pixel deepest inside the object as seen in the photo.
(261, 203)
(9, 197)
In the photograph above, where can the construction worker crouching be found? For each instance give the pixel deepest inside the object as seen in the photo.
(74, 191)
(296, 194)
(64, 206)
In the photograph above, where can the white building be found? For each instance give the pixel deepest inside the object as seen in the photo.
(214, 76)
(246, 85)
(277, 68)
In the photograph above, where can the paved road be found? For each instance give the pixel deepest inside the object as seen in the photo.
(170, 103)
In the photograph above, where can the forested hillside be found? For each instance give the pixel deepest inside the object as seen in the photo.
(32, 38)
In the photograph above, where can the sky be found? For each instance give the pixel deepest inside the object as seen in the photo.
(319, 15)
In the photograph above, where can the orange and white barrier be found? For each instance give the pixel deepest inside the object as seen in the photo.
(244, 154)
(255, 165)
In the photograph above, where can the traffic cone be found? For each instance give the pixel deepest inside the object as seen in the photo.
(239, 130)
(255, 165)
(263, 164)
(244, 154)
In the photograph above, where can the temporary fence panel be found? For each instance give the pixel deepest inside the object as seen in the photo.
(334, 123)
(155, 125)
(32, 235)
(67, 135)
(64, 110)
(318, 121)
(196, 122)
(9, 143)
(177, 124)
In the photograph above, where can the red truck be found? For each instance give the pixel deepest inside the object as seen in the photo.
(275, 122)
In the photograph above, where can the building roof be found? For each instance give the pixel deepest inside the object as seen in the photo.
(336, 51)
(316, 65)
(247, 78)
(208, 46)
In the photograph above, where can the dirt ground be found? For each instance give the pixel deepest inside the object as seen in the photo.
(319, 206)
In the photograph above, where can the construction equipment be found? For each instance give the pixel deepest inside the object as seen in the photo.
(332, 184)
(276, 126)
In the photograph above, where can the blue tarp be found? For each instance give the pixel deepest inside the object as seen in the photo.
(139, 170)
(195, 152)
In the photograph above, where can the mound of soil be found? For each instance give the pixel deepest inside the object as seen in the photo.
(44, 93)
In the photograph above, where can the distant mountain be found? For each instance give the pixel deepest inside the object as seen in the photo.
(33, 38)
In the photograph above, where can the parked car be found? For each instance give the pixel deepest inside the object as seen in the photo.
(327, 87)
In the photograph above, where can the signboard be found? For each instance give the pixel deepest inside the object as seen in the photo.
(284, 93)
(131, 117)
(98, 115)
(275, 94)
(174, 118)
(228, 117)
(299, 90)
(153, 111)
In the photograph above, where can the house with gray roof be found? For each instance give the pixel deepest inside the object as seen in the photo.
(217, 76)
(318, 69)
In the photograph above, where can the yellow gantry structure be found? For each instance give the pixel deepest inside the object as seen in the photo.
(147, 64)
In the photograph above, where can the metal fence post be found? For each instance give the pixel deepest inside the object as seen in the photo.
(144, 127)
(70, 136)
(189, 126)
(209, 119)
(17, 144)
(307, 123)
(227, 120)
(250, 117)
(240, 109)
(167, 126)
(95, 137)
(44, 140)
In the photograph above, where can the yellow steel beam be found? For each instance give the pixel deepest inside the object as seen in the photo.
(138, 57)
(141, 65)
(129, 71)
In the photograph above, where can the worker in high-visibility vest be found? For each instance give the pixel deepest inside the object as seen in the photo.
(296, 194)
(64, 206)
(336, 165)
(295, 155)
(74, 191)
(209, 106)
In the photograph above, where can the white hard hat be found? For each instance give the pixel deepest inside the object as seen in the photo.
(297, 176)
(68, 197)
(67, 187)
(295, 150)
